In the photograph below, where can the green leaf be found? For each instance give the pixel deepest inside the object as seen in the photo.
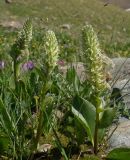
(85, 112)
(84, 123)
(5, 119)
(4, 144)
(107, 118)
(73, 78)
(119, 154)
(11, 82)
(78, 130)
(101, 134)
(48, 119)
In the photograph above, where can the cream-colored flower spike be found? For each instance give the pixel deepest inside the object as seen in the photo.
(51, 50)
(25, 35)
(93, 61)
(23, 40)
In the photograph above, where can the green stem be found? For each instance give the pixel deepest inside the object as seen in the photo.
(96, 133)
(40, 120)
(15, 72)
(59, 144)
(39, 130)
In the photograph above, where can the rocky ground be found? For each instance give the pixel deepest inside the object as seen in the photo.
(121, 77)
(121, 80)
(125, 4)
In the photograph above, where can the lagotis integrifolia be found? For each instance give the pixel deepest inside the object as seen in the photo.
(93, 60)
(51, 50)
(50, 54)
(22, 42)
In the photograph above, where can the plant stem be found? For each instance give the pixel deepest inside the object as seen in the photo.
(15, 73)
(59, 144)
(40, 119)
(39, 129)
(96, 133)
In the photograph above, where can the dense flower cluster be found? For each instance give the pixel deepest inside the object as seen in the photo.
(51, 50)
(93, 60)
(22, 41)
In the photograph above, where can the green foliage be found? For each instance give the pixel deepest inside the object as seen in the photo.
(68, 46)
(107, 117)
(119, 154)
(4, 141)
(73, 79)
(13, 119)
(84, 111)
(24, 91)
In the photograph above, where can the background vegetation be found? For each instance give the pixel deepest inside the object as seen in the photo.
(111, 23)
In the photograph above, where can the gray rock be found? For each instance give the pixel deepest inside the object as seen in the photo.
(121, 69)
(124, 86)
(79, 67)
(127, 10)
(121, 77)
(121, 136)
(8, 1)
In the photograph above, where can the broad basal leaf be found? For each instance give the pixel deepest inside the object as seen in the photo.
(107, 118)
(84, 111)
(119, 154)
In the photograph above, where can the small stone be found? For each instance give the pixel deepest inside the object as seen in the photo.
(127, 10)
(8, 1)
(44, 147)
(66, 26)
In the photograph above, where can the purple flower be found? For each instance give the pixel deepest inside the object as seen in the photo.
(2, 64)
(28, 66)
(61, 63)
